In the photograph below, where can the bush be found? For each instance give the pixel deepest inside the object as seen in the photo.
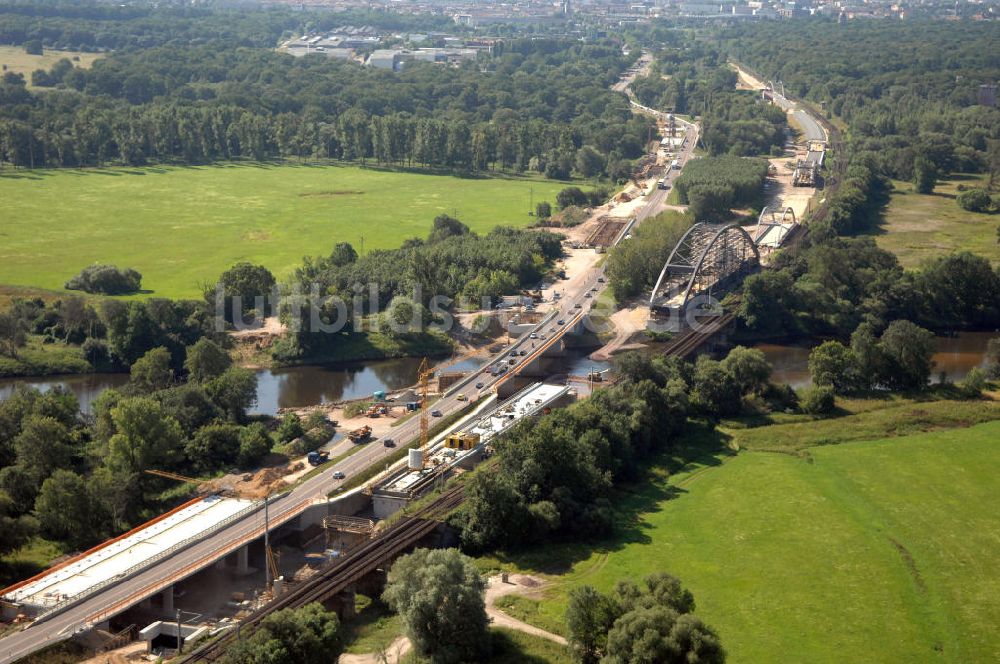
(817, 400)
(571, 196)
(34, 47)
(974, 383)
(290, 428)
(96, 352)
(975, 200)
(106, 280)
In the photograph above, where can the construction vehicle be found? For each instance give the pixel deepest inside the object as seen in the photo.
(460, 440)
(317, 457)
(376, 410)
(360, 435)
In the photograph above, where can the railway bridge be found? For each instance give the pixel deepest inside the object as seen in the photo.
(708, 258)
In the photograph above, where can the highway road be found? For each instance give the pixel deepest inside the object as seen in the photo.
(811, 129)
(578, 295)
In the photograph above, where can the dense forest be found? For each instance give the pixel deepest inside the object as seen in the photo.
(87, 26)
(907, 91)
(908, 95)
(534, 104)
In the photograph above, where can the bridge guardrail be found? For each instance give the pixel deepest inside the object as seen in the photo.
(138, 567)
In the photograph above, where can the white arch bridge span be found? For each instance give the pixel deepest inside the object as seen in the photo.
(707, 257)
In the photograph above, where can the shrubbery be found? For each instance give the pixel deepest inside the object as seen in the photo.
(106, 280)
(975, 200)
(817, 400)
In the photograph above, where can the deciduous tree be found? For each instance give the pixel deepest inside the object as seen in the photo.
(439, 595)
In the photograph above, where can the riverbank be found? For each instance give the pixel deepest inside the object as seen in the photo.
(38, 358)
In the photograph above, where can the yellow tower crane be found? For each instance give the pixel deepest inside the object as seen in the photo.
(424, 373)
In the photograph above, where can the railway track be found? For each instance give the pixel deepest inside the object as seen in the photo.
(375, 554)
(688, 342)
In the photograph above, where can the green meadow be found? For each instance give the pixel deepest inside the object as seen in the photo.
(883, 550)
(919, 227)
(182, 226)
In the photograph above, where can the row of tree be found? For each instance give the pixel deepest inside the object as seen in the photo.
(830, 288)
(714, 185)
(536, 105)
(554, 476)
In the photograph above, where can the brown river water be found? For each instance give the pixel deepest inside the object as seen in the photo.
(954, 357)
(308, 385)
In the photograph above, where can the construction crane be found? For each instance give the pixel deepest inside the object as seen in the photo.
(424, 374)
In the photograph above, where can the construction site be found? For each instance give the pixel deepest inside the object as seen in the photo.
(298, 547)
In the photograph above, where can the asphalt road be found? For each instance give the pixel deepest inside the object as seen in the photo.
(118, 597)
(812, 129)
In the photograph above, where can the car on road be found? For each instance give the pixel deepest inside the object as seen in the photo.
(479, 386)
(560, 322)
(578, 306)
(532, 336)
(587, 294)
(523, 353)
(338, 475)
(461, 397)
(600, 280)
(389, 442)
(436, 413)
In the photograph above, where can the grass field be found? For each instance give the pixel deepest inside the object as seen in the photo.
(19, 62)
(182, 226)
(922, 226)
(879, 551)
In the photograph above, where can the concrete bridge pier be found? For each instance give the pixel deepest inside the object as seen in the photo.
(168, 600)
(343, 603)
(242, 560)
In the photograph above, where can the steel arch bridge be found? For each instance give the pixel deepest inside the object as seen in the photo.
(707, 255)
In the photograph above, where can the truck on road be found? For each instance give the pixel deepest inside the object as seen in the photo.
(360, 435)
(317, 457)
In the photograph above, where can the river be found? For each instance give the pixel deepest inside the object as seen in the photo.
(276, 388)
(309, 385)
(954, 356)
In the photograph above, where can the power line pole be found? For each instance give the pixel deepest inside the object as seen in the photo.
(180, 639)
